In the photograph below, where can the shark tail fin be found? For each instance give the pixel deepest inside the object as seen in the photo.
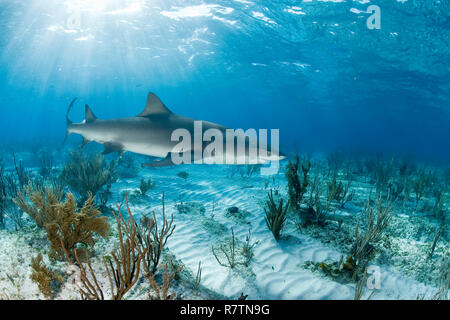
(68, 121)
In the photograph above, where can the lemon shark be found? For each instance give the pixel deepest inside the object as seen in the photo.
(158, 132)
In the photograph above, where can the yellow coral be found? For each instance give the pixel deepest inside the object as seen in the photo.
(44, 277)
(62, 220)
(349, 264)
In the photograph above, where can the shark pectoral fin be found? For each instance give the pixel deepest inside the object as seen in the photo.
(111, 147)
(167, 161)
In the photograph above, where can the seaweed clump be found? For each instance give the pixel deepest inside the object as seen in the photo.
(232, 252)
(48, 281)
(339, 192)
(127, 167)
(275, 215)
(10, 183)
(146, 185)
(62, 220)
(88, 175)
(377, 219)
(297, 187)
(339, 271)
(183, 175)
(162, 291)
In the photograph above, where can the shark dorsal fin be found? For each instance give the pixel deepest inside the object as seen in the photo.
(89, 117)
(154, 106)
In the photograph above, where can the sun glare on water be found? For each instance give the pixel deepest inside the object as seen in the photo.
(105, 6)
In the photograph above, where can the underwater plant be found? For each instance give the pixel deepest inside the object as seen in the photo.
(9, 187)
(421, 185)
(377, 219)
(242, 297)
(14, 214)
(162, 291)
(62, 220)
(42, 202)
(23, 175)
(152, 239)
(275, 215)
(252, 169)
(46, 164)
(437, 210)
(314, 188)
(197, 210)
(338, 271)
(183, 175)
(237, 214)
(198, 277)
(317, 209)
(246, 171)
(48, 281)
(87, 175)
(228, 250)
(316, 213)
(247, 248)
(127, 259)
(88, 286)
(335, 160)
(339, 192)
(127, 167)
(437, 235)
(297, 188)
(383, 174)
(8, 191)
(103, 196)
(232, 253)
(146, 185)
(3, 200)
(122, 267)
(406, 168)
(397, 188)
(360, 287)
(443, 281)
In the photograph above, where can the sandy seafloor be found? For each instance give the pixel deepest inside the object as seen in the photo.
(277, 270)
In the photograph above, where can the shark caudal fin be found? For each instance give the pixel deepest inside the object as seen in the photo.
(68, 121)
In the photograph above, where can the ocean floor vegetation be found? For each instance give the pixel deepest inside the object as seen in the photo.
(336, 226)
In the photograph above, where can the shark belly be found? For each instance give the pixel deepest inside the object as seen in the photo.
(159, 151)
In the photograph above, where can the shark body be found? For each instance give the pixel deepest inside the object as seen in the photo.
(150, 133)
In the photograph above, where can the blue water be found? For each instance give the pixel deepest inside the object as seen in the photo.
(312, 69)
